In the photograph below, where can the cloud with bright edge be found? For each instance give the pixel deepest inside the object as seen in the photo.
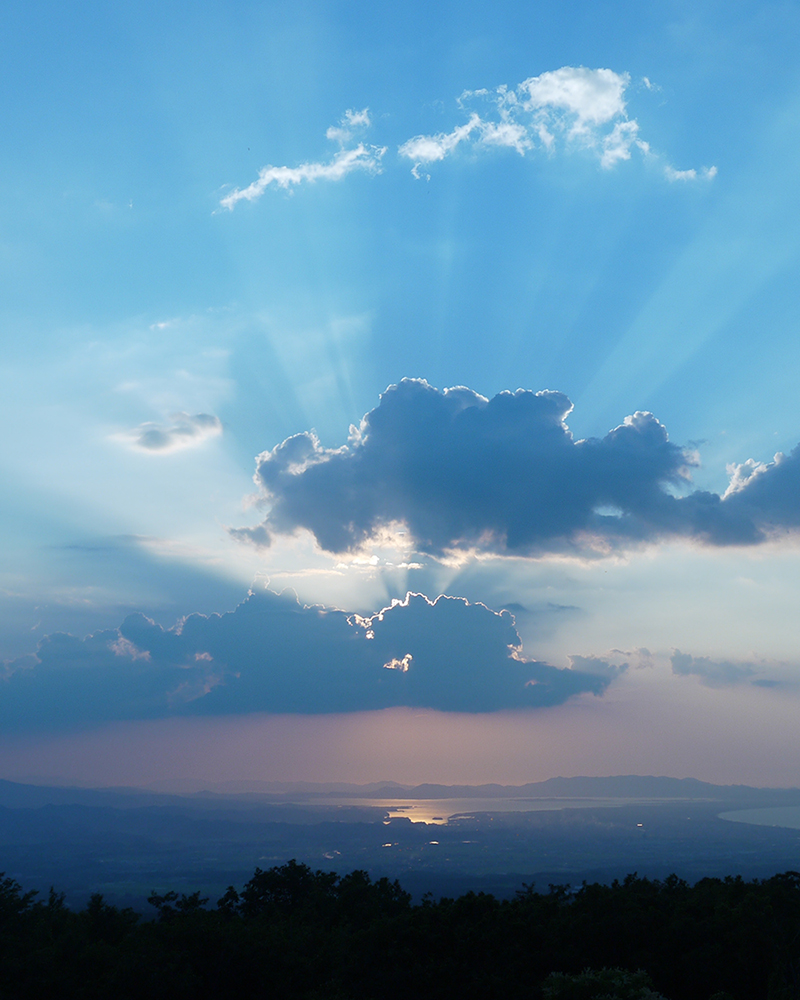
(273, 654)
(185, 431)
(345, 161)
(463, 473)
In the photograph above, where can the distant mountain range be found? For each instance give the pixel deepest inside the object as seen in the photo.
(16, 795)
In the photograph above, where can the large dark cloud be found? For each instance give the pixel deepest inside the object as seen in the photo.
(505, 475)
(273, 654)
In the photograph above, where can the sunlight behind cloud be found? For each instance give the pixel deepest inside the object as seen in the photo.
(625, 241)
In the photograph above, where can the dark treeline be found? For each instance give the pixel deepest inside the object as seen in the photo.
(294, 932)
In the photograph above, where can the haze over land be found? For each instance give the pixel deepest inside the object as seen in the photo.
(444, 840)
(399, 395)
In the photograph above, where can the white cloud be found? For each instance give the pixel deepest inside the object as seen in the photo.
(349, 123)
(545, 135)
(573, 102)
(568, 109)
(506, 134)
(591, 95)
(706, 174)
(185, 431)
(429, 148)
(344, 162)
(744, 474)
(617, 144)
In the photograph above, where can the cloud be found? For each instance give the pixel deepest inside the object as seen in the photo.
(591, 96)
(597, 666)
(273, 654)
(714, 673)
(460, 472)
(706, 174)
(185, 431)
(344, 162)
(641, 656)
(571, 108)
(617, 144)
(350, 123)
(429, 148)
(568, 108)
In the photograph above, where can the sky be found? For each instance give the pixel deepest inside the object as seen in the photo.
(399, 393)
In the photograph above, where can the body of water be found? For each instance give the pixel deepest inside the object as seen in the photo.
(441, 810)
(788, 816)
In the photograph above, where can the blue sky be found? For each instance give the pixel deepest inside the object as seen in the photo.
(222, 227)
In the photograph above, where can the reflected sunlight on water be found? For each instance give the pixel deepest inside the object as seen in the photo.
(439, 811)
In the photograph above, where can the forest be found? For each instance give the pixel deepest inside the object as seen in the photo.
(291, 931)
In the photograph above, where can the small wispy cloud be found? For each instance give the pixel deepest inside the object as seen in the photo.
(706, 174)
(430, 148)
(570, 109)
(185, 431)
(350, 123)
(345, 161)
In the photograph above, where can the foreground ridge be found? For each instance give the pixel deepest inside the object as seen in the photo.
(293, 931)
